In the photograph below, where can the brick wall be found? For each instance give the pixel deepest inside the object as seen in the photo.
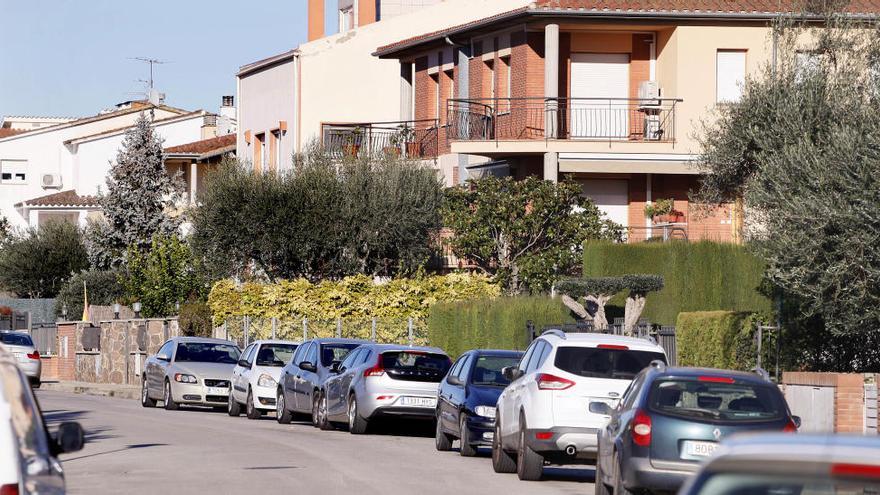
(639, 71)
(66, 354)
(849, 396)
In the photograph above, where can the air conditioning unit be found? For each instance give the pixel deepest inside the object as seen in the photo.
(51, 181)
(649, 90)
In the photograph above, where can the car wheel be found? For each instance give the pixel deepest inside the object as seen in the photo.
(252, 411)
(356, 424)
(282, 415)
(170, 405)
(146, 401)
(35, 383)
(442, 440)
(529, 464)
(502, 462)
(323, 418)
(466, 449)
(619, 489)
(601, 487)
(233, 408)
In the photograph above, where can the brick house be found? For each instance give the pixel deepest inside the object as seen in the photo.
(609, 92)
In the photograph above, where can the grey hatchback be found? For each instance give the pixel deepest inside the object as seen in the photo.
(670, 419)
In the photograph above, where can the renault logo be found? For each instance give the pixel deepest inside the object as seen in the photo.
(717, 433)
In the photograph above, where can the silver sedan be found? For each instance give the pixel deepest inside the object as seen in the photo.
(26, 355)
(189, 370)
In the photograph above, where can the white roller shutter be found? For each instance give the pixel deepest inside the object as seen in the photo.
(611, 196)
(599, 75)
(730, 75)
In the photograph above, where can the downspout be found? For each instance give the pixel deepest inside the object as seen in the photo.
(297, 101)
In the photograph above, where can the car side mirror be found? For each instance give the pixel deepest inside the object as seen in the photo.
(163, 357)
(600, 408)
(797, 421)
(70, 437)
(511, 373)
(454, 380)
(243, 363)
(308, 366)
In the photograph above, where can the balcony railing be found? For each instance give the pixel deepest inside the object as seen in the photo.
(412, 139)
(618, 119)
(679, 231)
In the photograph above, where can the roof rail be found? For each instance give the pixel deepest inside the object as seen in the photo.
(554, 331)
(761, 372)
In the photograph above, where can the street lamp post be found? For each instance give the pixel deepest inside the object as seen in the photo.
(137, 309)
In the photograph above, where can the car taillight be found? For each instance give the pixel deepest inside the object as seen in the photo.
(613, 347)
(377, 370)
(855, 470)
(34, 355)
(790, 427)
(641, 429)
(715, 379)
(546, 381)
(544, 435)
(9, 490)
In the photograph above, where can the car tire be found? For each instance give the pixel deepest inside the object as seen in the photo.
(502, 462)
(356, 424)
(466, 449)
(282, 415)
(35, 383)
(251, 408)
(529, 464)
(619, 489)
(323, 418)
(146, 401)
(601, 487)
(233, 408)
(170, 405)
(442, 440)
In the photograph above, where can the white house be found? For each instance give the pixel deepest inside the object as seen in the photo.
(54, 172)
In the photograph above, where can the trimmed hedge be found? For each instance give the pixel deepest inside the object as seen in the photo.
(698, 276)
(491, 323)
(721, 339)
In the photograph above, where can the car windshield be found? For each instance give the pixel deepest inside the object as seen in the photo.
(16, 339)
(716, 400)
(417, 366)
(275, 354)
(487, 370)
(758, 484)
(335, 353)
(597, 362)
(206, 352)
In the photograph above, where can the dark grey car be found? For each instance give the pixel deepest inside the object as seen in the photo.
(670, 419)
(302, 378)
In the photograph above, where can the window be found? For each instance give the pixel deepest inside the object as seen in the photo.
(730, 75)
(716, 400)
(16, 339)
(503, 84)
(435, 79)
(540, 352)
(465, 368)
(300, 352)
(276, 355)
(13, 171)
(206, 352)
(456, 368)
(528, 356)
(260, 152)
(166, 349)
(276, 140)
(351, 360)
(604, 363)
(273, 151)
(46, 217)
(487, 371)
(490, 78)
(246, 355)
(312, 355)
(416, 366)
(334, 353)
(346, 19)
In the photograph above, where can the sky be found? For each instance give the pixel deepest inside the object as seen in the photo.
(73, 57)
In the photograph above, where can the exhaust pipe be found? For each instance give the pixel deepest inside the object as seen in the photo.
(570, 450)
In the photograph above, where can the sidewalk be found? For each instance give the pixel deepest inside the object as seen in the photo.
(102, 389)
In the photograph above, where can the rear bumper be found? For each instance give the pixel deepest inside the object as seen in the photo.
(583, 440)
(31, 368)
(640, 472)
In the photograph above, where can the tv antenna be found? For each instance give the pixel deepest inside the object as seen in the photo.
(152, 62)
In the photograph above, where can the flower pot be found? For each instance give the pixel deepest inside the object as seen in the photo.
(391, 150)
(413, 149)
(352, 149)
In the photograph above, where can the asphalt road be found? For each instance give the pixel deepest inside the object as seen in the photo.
(131, 449)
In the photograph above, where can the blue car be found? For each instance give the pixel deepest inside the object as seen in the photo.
(467, 398)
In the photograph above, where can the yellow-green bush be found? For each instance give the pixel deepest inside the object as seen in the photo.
(356, 300)
(720, 339)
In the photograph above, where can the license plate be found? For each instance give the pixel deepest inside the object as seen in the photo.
(217, 391)
(699, 449)
(418, 401)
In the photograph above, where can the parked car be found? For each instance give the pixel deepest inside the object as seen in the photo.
(255, 377)
(548, 412)
(382, 380)
(302, 378)
(28, 453)
(780, 464)
(670, 419)
(191, 371)
(26, 355)
(467, 397)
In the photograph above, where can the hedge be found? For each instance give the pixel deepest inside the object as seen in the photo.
(721, 339)
(698, 276)
(491, 323)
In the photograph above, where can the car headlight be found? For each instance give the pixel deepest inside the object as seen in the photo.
(266, 381)
(184, 378)
(485, 411)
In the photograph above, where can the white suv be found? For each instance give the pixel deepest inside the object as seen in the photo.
(554, 406)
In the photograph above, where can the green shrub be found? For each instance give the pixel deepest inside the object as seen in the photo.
(37, 262)
(162, 277)
(195, 319)
(721, 339)
(491, 323)
(698, 276)
(103, 289)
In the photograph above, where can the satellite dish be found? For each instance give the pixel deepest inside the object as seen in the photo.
(154, 97)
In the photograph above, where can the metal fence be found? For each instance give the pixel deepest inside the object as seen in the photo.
(412, 139)
(243, 330)
(45, 339)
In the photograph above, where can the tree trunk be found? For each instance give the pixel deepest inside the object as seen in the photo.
(600, 322)
(635, 304)
(576, 307)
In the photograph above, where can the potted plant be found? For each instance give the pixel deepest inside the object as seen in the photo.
(353, 141)
(663, 211)
(406, 137)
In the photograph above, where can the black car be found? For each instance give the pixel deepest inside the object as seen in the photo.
(671, 419)
(302, 378)
(467, 398)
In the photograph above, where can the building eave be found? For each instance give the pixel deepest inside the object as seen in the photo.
(267, 62)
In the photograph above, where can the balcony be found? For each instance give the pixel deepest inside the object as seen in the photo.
(416, 139)
(605, 119)
(679, 231)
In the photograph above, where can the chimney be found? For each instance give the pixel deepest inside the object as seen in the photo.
(209, 126)
(227, 107)
(316, 19)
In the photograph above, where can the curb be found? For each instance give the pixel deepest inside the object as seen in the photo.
(97, 389)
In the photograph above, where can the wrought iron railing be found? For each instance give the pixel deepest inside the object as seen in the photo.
(624, 119)
(411, 139)
(679, 231)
